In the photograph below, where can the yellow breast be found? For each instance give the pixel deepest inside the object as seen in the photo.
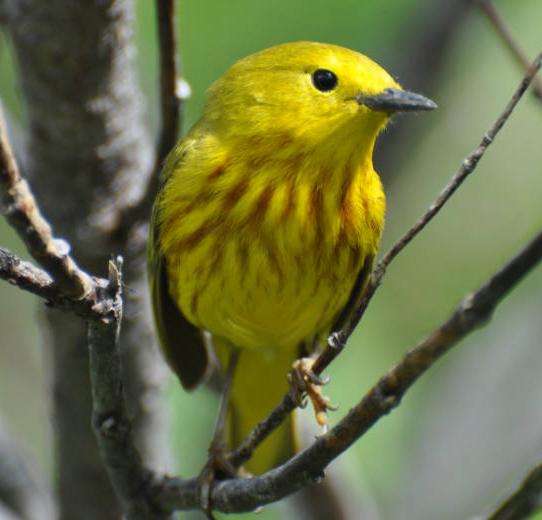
(268, 260)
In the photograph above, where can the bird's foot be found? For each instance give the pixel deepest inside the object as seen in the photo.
(305, 383)
(218, 467)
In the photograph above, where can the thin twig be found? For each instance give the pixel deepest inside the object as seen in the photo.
(498, 23)
(475, 310)
(32, 279)
(143, 497)
(171, 101)
(263, 429)
(525, 501)
(466, 168)
(26, 276)
(22, 213)
(338, 339)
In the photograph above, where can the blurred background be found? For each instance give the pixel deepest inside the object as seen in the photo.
(469, 430)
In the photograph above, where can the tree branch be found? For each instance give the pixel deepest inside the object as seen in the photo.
(101, 305)
(20, 210)
(498, 23)
(170, 99)
(23, 214)
(109, 418)
(87, 140)
(30, 278)
(338, 339)
(27, 277)
(142, 496)
(525, 501)
(475, 310)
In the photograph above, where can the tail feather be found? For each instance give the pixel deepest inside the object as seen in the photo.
(281, 445)
(259, 383)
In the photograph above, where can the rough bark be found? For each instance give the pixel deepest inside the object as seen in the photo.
(87, 158)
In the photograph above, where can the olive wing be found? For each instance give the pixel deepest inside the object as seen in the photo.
(181, 342)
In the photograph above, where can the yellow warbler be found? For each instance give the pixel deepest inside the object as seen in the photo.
(268, 219)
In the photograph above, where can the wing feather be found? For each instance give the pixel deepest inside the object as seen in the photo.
(181, 342)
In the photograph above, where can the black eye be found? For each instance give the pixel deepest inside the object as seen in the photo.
(324, 80)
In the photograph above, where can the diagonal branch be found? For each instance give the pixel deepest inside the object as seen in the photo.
(338, 339)
(22, 213)
(146, 499)
(498, 23)
(525, 501)
(467, 167)
(474, 311)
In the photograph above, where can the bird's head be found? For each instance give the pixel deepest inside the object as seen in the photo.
(309, 94)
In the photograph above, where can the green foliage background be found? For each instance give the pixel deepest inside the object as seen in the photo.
(471, 428)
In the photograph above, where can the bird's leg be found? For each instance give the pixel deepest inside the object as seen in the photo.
(218, 463)
(217, 445)
(305, 383)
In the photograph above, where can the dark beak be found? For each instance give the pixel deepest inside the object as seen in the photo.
(395, 100)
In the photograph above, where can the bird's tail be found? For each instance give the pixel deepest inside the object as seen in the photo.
(259, 383)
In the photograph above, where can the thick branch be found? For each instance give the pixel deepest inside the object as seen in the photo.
(474, 311)
(525, 501)
(102, 306)
(109, 418)
(338, 339)
(87, 142)
(134, 484)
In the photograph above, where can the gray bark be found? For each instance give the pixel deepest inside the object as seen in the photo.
(87, 158)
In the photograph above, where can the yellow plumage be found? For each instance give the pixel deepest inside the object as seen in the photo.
(268, 211)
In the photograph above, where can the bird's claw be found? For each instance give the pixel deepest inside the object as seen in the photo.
(315, 379)
(305, 383)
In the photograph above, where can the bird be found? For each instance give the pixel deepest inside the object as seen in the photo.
(267, 221)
